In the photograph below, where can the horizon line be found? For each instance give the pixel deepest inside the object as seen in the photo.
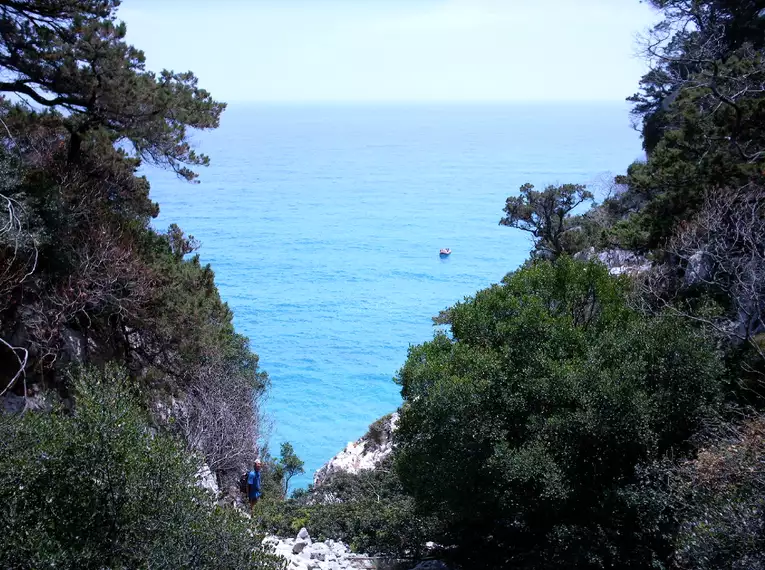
(421, 101)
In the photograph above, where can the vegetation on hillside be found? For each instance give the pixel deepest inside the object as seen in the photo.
(95, 488)
(85, 278)
(522, 428)
(567, 418)
(106, 478)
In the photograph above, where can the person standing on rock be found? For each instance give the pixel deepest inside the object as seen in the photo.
(253, 484)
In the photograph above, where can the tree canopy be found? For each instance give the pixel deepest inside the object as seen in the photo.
(546, 215)
(521, 430)
(70, 56)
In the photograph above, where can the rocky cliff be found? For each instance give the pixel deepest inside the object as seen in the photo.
(367, 452)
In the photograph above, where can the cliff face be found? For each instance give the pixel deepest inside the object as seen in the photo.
(367, 452)
(618, 261)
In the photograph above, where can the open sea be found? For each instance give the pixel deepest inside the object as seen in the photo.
(323, 225)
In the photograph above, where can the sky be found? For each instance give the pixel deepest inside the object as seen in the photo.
(396, 50)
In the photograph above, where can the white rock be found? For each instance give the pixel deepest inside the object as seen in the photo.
(699, 268)
(364, 453)
(618, 261)
(303, 535)
(206, 479)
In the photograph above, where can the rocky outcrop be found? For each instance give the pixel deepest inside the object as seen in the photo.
(302, 553)
(366, 452)
(618, 261)
(699, 269)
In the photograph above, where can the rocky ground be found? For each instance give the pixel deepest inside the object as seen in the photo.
(302, 553)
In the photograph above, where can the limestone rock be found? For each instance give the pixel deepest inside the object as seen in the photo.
(206, 479)
(74, 347)
(618, 261)
(304, 554)
(303, 534)
(366, 452)
(699, 268)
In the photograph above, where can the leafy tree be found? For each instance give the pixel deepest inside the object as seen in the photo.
(521, 431)
(702, 111)
(545, 215)
(83, 261)
(288, 465)
(95, 488)
(70, 56)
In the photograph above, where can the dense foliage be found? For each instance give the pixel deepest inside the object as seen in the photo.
(702, 109)
(85, 278)
(521, 431)
(95, 488)
(86, 281)
(720, 499)
(369, 510)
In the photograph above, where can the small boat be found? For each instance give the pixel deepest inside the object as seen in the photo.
(444, 252)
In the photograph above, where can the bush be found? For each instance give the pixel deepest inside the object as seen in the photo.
(95, 488)
(368, 510)
(720, 499)
(521, 430)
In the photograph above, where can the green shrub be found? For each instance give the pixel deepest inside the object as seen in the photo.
(95, 488)
(376, 432)
(521, 429)
(720, 500)
(368, 510)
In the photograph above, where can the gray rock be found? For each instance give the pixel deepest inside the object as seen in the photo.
(206, 479)
(12, 404)
(298, 547)
(699, 268)
(618, 261)
(74, 346)
(303, 534)
(585, 254)
(365, 453)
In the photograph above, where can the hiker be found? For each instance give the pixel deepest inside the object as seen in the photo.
(253, 484)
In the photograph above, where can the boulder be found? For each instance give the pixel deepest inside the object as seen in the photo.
(12, 404)
(298, 547)
(74, 346)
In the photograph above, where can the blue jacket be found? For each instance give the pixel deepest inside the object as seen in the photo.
(253, 484)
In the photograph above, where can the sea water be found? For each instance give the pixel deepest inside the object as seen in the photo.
(323, 224)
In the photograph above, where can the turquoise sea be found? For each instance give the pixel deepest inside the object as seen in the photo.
(323, 225)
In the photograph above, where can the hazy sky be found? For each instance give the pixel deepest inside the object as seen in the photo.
(410, 50)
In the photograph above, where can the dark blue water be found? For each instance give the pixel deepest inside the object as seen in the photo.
(323, 225)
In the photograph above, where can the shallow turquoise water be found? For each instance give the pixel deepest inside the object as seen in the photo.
(323, 225)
